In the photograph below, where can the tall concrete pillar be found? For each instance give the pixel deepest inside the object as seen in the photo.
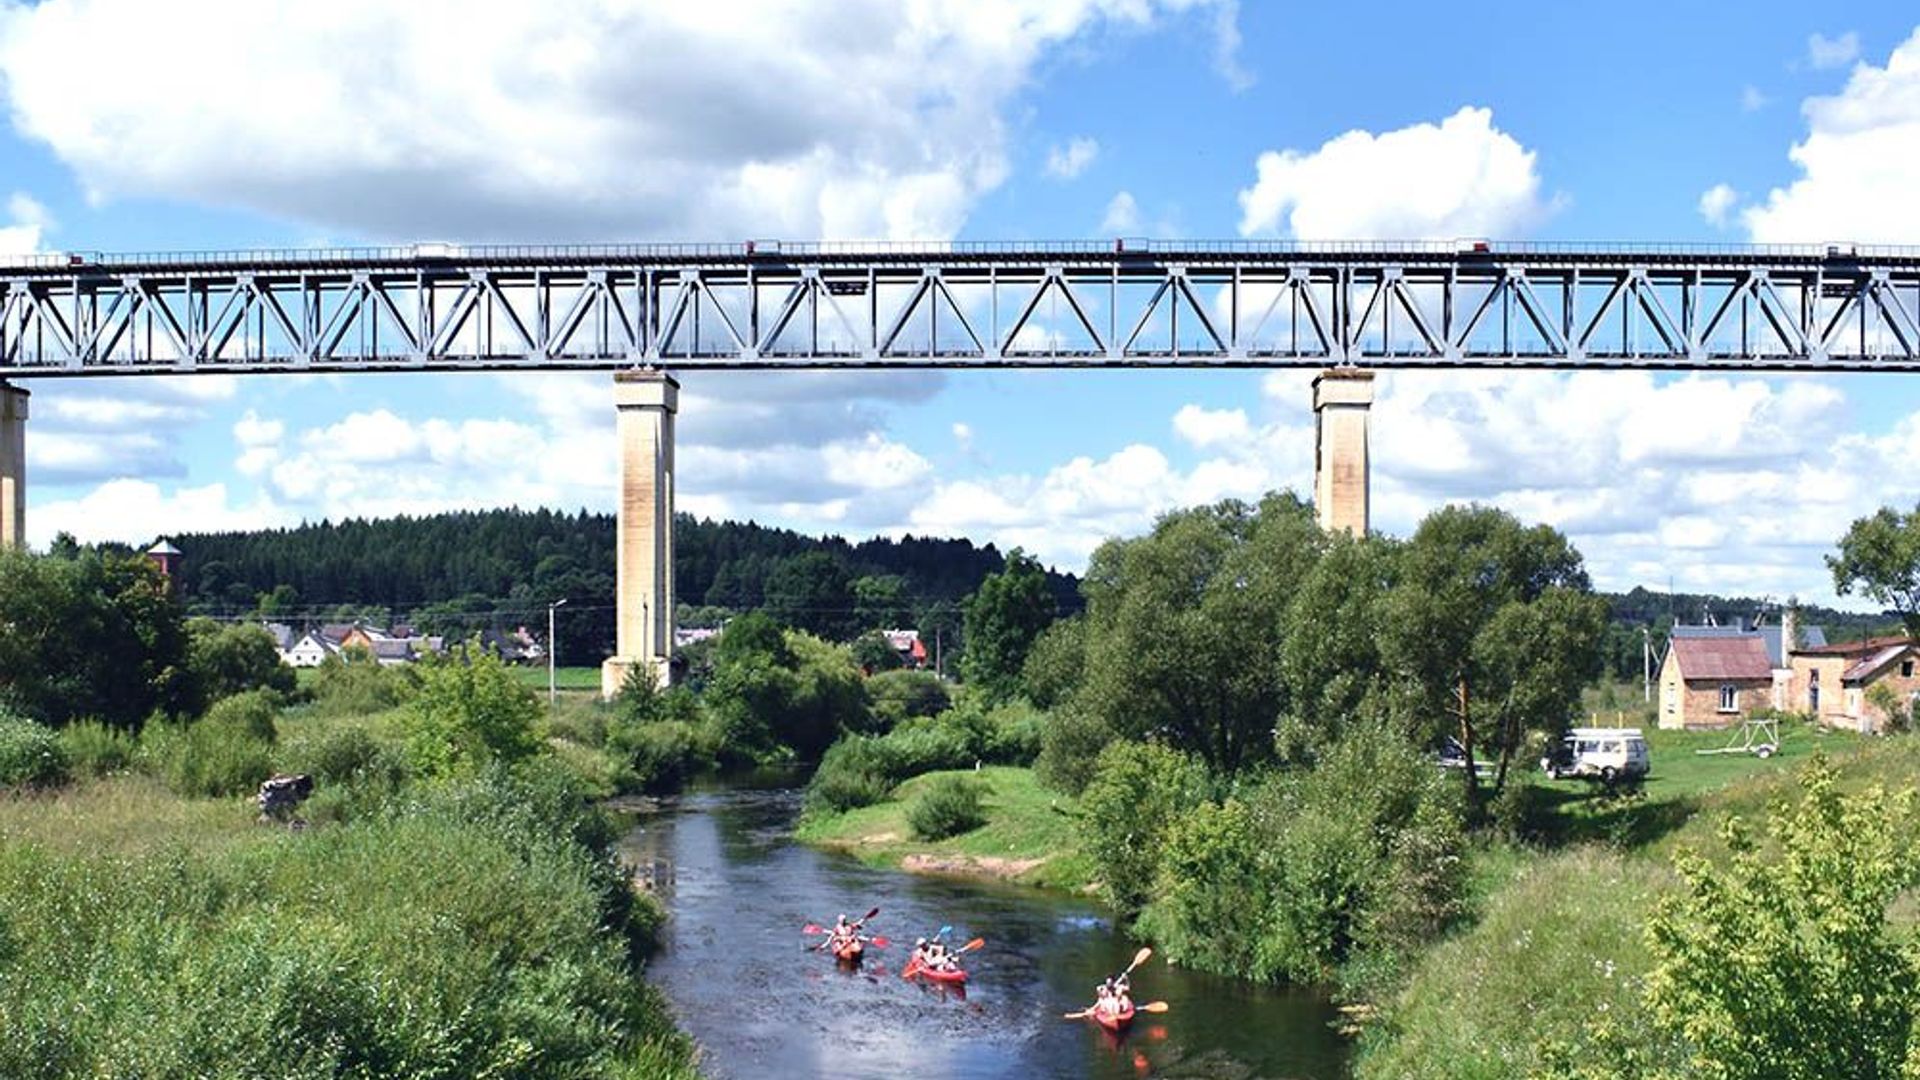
(647, 401)
(13, 466)
(1341, 398)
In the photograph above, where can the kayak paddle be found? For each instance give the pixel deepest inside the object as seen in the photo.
(1152, 1007)
(970, 946)
(1081, 1015)
(1138, 959)
(944, 931)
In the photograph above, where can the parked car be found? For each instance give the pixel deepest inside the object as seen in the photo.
(1606, 754)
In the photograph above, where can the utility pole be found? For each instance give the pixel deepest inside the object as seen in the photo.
(1646, 663)
(552, 652)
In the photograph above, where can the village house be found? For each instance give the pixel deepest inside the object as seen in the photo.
(310, 651)
(913, 651)
(1710, 682)
(1832, 683)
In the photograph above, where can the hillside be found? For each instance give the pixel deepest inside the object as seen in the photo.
(468, 570)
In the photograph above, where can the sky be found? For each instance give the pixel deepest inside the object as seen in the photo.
(134, 126)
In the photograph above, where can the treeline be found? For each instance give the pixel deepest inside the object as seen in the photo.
(459, 572)
(1659, 612)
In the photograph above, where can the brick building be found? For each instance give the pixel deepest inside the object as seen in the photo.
(1709, 682)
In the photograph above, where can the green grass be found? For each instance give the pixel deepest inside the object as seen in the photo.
(566, 678)
(1028, 837)
(1682, 782)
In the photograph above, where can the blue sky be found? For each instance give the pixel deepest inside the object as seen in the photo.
(267, 124)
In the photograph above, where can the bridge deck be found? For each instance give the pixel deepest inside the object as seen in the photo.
(767, 304)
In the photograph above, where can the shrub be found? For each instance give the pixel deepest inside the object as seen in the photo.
(663, 754)
(1070, 744)
(470, 710)
(205, 759)
(950, 806)
(247, 715)
(1136, 790)
(94, 749)
(584, 723)
(905, 695)
(344, 753)
(30, 754)
(355, 684)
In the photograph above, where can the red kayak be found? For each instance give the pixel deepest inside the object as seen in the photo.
(917, 970)
(1112, 1021)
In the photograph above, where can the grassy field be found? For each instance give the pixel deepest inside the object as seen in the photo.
(1028, 837)
(566, 678)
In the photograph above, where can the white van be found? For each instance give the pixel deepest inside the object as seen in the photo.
(1607, 754)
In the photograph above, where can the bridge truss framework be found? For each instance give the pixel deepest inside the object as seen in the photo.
(1127, 303)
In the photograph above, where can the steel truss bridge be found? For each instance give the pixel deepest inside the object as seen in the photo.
(821, 305)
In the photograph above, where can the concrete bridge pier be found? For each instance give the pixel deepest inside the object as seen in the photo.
(1341, 400)
(647, 401)
(13, 466)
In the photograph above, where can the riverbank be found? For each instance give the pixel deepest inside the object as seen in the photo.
(468, 928)
(1027, 839)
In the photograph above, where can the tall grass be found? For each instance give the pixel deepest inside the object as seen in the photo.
(474, 930)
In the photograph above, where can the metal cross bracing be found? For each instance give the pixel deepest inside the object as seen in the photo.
(1108, 303)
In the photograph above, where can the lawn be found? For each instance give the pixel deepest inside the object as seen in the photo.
(1028, 836)
(566, 678)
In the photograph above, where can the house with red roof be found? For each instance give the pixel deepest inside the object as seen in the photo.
(1710, 682)
(1831, 682)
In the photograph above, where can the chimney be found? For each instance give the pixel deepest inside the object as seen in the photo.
(1789, 633)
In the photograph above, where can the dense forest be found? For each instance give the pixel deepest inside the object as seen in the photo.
(463, 572)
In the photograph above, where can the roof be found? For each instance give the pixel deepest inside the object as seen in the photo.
(1722, 657)
(161, 547)
(1853, 648)
(1870, 664)
(1811, 637)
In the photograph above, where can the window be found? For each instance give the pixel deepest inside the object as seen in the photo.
(1906, 669)
(1729, 697)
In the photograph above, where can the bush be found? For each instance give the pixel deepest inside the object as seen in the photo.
(354, 684)
(1136, 790)
(94, 749)
(905, 695)
(950, 806)
(662, 755)
(247, 715)
(205, 759)
(470, 710)
(344, 753)
(1070, 742)
(30, 754)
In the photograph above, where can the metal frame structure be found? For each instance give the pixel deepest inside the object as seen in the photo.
(818, 305)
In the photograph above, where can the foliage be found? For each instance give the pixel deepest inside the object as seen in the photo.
(1492, 631)
(860, 770)
(776, 695)
(463, 933)
(875, 654)
(94, 749)
(90, 634)
(1136, 792)
(230, 658)
(1783, 965)
(1070, 746)
(355, 684)
(1056, 663)
(1004, 616)
(206, 758)
(813, 592)
(469, 711)
(1331, 667)
(249, 715)
(895, 696)
(950, 806)
(1183, 630)
(1880, 558)
(1895, 713)
(1301, 872)
(880, 602)
(31, 754)
(337, 754)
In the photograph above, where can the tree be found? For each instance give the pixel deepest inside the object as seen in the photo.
(224, 659)
(1783, 965)
(1056, 663)
(880, 602)
(1331, 669)
(1008, 611)
(94, 634)
(874, 653)
(812, 592)
(1184, 629)
(469, 710)
(1491, 629)
(1880, 557)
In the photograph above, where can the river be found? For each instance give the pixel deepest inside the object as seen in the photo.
(734, 966)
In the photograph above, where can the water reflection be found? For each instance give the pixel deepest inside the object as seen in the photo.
(739, 975)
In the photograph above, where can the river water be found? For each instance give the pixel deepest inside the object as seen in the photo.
(734, 966)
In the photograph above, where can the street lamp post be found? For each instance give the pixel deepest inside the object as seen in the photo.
(552, 686)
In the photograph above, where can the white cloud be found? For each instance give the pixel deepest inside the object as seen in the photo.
(1751, 99)
(27, 224)
(963, 435)
(1832, 52)
(1462, 177)
(1859, 162)
(833, 118)
(1205, 428)
(1716, 203)
(1065, 163)
(1123, 214)
(251, 431)
(93, 429)
(137, 511)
